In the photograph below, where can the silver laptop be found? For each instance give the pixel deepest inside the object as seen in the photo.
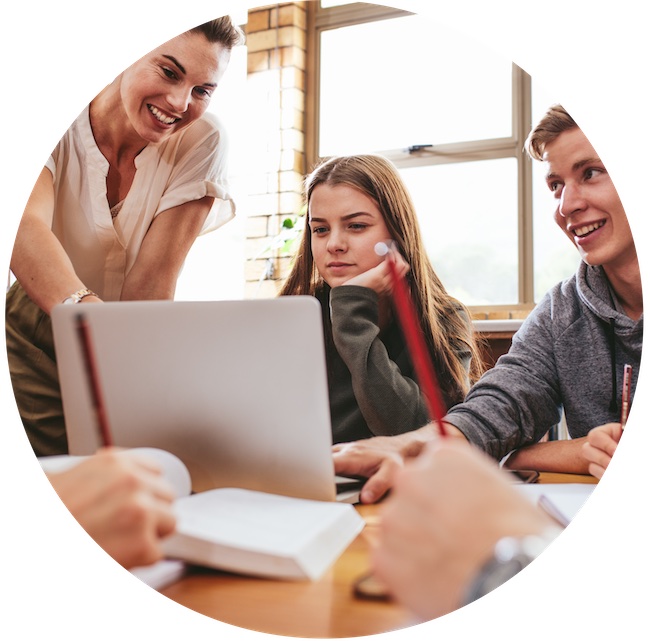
(236, 389)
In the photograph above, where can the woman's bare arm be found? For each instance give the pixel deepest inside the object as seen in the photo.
(163, 251)
(38, 260)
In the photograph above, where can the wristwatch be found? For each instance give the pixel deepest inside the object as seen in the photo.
(78, 296)
(510, 556)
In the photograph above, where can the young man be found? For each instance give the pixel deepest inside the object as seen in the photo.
(570, 352)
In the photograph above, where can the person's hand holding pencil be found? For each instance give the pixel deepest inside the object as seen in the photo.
(602, 441)
(379, 458)
(599, 447)
(407, 316)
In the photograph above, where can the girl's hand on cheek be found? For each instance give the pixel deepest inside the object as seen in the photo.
(378, 278)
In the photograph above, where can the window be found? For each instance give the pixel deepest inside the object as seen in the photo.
(453, 116)
(214, 268)
(554, 256)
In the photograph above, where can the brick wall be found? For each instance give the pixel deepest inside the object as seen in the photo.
(276, 37)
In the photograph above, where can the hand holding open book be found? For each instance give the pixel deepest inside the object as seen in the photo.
(246, 531)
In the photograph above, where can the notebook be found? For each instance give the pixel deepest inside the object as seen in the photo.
(236, 389)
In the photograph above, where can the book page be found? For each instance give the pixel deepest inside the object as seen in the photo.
(173, 469)
(255, 520)
(261, 534)
(565, 499)
(161, 574)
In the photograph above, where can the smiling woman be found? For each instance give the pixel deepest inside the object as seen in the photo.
(170, 88)
(137, 177)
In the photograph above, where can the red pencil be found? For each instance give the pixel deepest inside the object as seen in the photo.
(424, 369)
(85, 341)
(627, 392)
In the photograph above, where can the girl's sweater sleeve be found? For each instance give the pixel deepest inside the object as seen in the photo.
(388, 397)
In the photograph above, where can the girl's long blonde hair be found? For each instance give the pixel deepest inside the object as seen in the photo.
(445, 321)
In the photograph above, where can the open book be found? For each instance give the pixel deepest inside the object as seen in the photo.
(244, 531)
(562, 501)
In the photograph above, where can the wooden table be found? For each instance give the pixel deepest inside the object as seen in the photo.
(323, 608)
(326, 608)
(556, 477)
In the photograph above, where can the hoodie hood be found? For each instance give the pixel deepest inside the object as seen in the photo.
(595, 291)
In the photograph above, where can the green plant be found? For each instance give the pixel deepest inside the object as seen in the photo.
(283, 242)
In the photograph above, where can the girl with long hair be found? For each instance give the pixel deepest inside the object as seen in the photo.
(353, 203)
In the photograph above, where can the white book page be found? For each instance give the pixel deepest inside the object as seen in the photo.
(161, 574)
(173, 469)
(566, 498)
(255, 520)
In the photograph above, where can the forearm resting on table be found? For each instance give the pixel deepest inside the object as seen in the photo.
(563, 456)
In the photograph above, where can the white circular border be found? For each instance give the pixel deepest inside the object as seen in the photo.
(56, 57)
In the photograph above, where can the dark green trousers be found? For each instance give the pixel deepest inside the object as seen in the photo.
(34, 376)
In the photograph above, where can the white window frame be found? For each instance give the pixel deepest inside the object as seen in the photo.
(511, 147)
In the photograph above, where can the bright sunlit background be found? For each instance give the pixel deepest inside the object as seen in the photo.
(383, 86)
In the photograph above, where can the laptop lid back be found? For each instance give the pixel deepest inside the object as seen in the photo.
(236, 389)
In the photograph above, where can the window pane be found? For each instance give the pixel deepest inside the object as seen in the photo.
(554, 256)
(222, 252)
(468, 216)
(399, 82)
(325, 4)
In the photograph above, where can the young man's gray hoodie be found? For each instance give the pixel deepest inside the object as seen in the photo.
(569, 353)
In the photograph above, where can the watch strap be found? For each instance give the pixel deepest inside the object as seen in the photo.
(78, 296)
(510, 556)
